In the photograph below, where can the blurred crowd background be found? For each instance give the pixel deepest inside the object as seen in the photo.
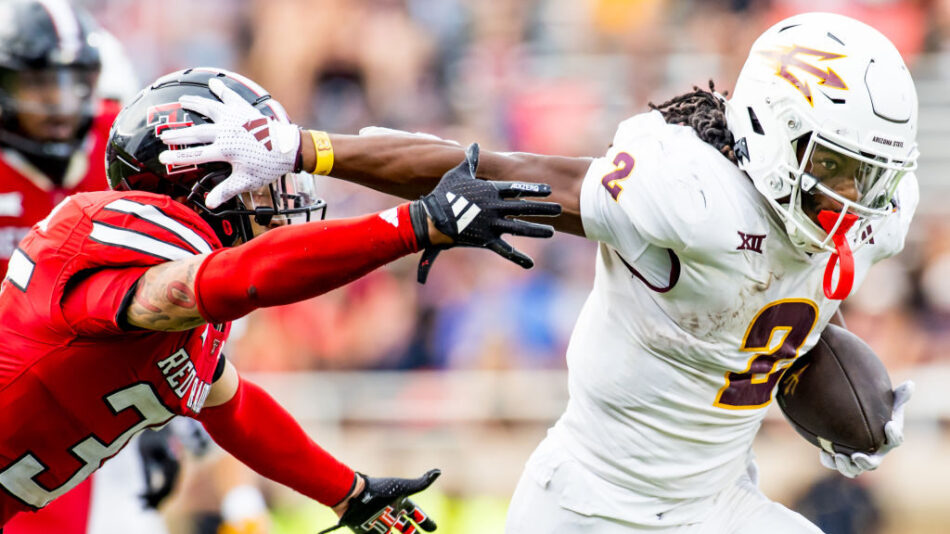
(467, 371)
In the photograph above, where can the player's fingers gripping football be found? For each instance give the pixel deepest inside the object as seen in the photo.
(893, 429)
(384, 505)
(846, 466)
(902, 395)
(849, 466)
(259, 148)
(472, 212)
(866, 462)
(857, 463)
(827, 460)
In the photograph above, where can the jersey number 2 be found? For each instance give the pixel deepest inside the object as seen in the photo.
(623, 164)
(775, 336)
(19, 478)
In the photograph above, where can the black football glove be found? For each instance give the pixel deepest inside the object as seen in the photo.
(160, 464)
(384, 505)
(474, 213)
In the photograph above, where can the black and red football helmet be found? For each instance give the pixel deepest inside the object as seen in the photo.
(134, 146)
(49, 67)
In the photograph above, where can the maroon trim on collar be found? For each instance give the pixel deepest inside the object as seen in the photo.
(674, 272)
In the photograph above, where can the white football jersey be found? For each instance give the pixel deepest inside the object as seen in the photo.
(699, 302)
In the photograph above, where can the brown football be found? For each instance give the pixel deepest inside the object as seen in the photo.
(838, 395)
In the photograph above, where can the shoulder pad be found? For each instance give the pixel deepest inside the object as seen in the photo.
(112, 228)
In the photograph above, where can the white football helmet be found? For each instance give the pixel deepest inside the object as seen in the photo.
(823, 94)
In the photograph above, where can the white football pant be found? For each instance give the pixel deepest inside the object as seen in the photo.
(539, 508)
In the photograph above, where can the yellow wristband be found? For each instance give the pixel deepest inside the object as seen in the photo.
(321, 143)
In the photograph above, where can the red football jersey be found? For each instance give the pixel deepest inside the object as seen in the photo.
(27, 195)
(74, 385)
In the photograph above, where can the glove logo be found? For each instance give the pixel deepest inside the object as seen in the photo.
(382, 522)
(461, 206)
(390, 216)
(261, 131)
(170, 116)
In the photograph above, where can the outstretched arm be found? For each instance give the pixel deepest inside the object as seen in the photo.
(248, 423)
(402, 164)
(300, 261)
(409, 166)
(230, 283)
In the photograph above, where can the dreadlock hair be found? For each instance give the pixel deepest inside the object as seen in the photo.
(705, 113)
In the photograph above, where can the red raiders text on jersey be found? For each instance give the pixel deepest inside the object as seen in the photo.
(75, 386)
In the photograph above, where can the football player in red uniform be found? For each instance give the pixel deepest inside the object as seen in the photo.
(115, 306)
(53, 129)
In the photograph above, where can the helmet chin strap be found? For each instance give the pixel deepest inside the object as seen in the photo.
(828, 219)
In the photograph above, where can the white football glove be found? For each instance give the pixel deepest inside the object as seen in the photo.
(260, 149)
(857, 463)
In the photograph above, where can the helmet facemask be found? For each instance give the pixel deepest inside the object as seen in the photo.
(291, 199)
(861, 184)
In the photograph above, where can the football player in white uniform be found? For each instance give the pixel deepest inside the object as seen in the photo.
(729, 232)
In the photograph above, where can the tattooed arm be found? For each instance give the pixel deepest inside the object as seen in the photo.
(284, 265)
(164, 298)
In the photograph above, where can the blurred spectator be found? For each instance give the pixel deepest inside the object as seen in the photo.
(373, 45)
(365, 325)
(880, 314)
(901, 21)
(839, 505)
(170, 35)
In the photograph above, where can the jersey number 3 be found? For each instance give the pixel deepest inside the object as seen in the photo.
(19, 478)
(775, 336)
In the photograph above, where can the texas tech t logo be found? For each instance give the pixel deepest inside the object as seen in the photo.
(751, 242)
(166, 117)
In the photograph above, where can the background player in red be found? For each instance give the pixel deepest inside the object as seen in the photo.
(53, 128)
(54, 122)
(115, 306)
